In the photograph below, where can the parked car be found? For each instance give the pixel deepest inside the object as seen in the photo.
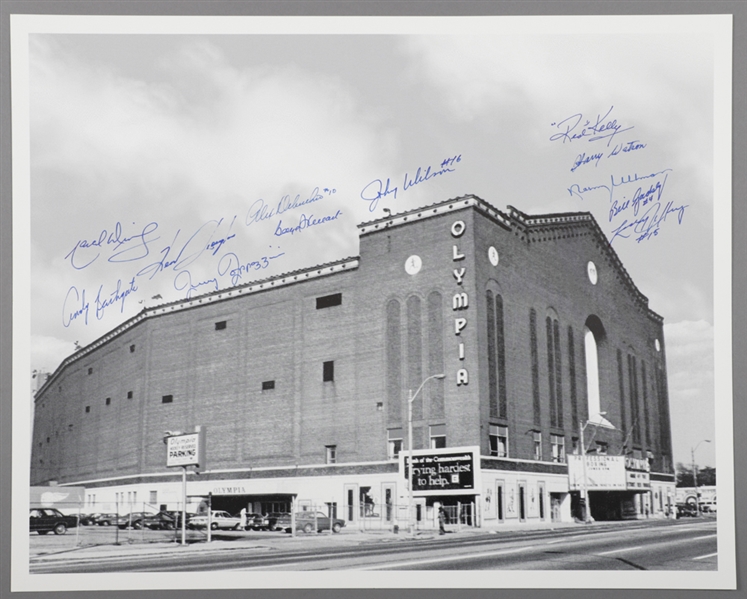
(87, 519)
(269, 522)
(305, 521)
(686, 510)
(105, 519)
(160, 521)
(219, 520)
(134, 520)
(44, 520)
(256, 522)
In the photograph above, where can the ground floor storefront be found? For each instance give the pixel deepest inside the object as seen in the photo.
(474, 491)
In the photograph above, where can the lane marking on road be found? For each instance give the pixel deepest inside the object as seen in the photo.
(706, 556)
(705, 537)
(620, 550)
(450, 558)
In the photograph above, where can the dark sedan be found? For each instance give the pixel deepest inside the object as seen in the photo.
(44, 520)
(306, 521)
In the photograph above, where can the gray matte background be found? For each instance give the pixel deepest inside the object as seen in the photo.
(738, 8)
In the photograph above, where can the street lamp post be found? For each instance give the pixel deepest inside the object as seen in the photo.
(695, 475)
(585, 494)
(410, 399)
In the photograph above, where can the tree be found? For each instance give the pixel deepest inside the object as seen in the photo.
(706, 476)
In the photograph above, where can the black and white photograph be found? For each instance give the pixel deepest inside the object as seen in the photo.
(332, 301)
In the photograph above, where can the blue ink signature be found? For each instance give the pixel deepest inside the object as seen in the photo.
(572, 129)
(582, 159)
(377, 189)
(304, 223)
(647, 226)
(183, 281)
(130, 251)
(190, 251)
(259, 211)
(67, 316)
(231, 264)
(118, 295)
(374, 192)
(631, 146)
(578, 191)
(102, 302)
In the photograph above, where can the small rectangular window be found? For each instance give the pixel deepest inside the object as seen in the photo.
(267, 385)
(328, 301)
(108, 401)
(88, 409)
(132, 349)
(153, 497)
(129, 395)
(167, 399)
(557, 443)
(498, 441)
(90, 371)
(328, 371)
(331, 454)
(438, 436)
(219, 326)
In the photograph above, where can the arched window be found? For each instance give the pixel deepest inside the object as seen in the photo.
(594, 335)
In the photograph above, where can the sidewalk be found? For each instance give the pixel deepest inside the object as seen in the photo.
(273, 541)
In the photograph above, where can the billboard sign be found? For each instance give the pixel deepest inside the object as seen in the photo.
(183, 450)
(448, 471)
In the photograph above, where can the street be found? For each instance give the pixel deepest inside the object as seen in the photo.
(660, 545)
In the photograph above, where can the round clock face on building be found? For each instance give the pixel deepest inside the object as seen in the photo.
(413, 265)
(591, 270)
(493, 256)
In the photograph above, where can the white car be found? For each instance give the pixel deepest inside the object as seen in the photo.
(219, 519)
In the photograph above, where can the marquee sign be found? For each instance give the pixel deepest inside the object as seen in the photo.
(449, 471)
(609, 473)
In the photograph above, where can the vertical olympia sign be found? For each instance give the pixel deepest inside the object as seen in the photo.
(460, 301)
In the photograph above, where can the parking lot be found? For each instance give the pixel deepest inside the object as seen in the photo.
(90, 536)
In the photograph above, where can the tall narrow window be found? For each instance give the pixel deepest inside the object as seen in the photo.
(328, 371)
(393, 363)
(331, 454)
(535, 365)
(592, 374)
(435, 348)
(572, 374)
(623, 409)
(394, 443)
(415, 353)
(537, 445)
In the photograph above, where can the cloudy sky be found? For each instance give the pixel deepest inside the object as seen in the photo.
(158, 164)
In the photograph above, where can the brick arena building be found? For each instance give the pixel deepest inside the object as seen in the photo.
(301, 382)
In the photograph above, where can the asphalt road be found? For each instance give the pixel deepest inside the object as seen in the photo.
(680, 545)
